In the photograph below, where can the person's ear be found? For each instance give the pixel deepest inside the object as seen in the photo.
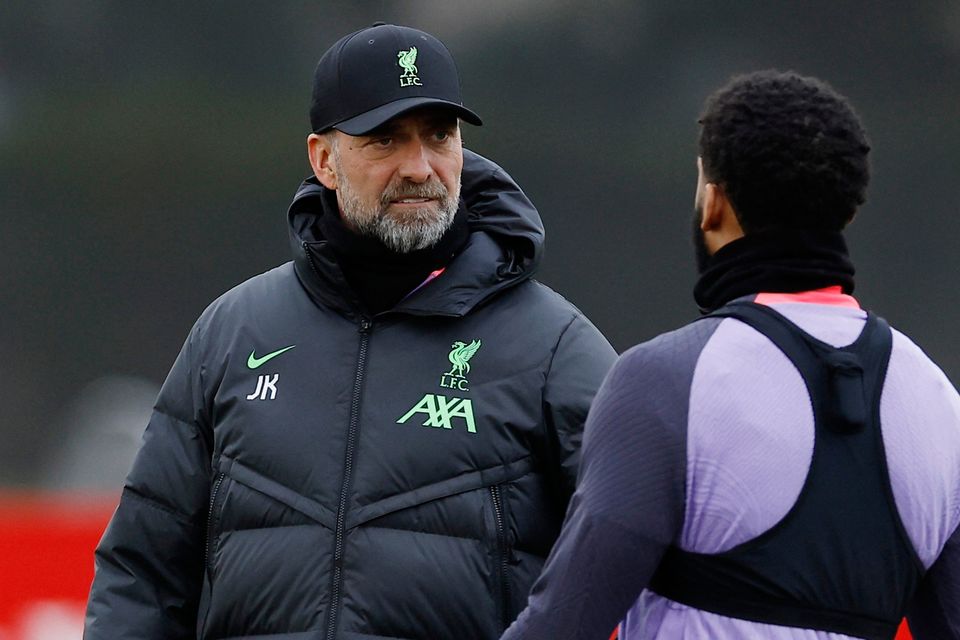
(720, 223)
(714, 202)
(320, 152)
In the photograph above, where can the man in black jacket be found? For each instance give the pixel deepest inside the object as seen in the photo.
(379, 438)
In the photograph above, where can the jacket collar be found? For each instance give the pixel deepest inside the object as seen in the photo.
(504, 248)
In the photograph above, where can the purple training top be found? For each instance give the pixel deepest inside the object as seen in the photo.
(702, 438)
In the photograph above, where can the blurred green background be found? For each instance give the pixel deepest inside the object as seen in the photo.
(148, 152)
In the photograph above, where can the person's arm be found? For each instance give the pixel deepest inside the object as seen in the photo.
(934, 613)
(628, 506)
(150, 561)
(580, 361)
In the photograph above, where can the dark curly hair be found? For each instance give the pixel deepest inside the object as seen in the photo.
(788, 150)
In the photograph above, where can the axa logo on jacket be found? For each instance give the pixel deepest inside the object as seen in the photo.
(441, 410)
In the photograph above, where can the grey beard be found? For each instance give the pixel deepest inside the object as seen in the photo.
(419, 229)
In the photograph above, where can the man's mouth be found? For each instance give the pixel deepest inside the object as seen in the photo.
(411, 200)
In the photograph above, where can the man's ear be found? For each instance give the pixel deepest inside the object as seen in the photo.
(714, 203)
(320, 152)
(720, 224)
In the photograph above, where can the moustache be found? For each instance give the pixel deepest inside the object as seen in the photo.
(433, 189)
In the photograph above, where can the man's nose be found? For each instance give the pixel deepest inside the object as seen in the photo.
(415, 164)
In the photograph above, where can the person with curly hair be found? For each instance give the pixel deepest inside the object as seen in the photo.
(787, 466)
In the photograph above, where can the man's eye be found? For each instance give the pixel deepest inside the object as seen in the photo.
(383, 142)
(440, 136)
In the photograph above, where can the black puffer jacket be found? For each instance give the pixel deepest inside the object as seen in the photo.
(311, 473)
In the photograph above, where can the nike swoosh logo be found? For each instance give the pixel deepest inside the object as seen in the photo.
(253, 361)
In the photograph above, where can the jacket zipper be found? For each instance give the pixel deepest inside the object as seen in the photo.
(213, 502)
(365, 328)
(501, 557)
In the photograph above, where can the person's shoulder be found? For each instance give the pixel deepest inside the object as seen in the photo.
(262, 291)
(547, 308)
(669, 353)
(650, 383)
(905, 347)
(552, 324)
(543, 298)
(910, 357)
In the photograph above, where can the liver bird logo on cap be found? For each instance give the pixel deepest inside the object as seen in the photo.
(407, 60)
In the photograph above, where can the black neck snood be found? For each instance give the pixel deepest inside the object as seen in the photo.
(776, 261)
(379, 276)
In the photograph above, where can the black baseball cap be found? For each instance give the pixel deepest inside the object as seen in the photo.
(377, 73)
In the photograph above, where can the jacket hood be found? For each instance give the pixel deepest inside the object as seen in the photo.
(504, 248)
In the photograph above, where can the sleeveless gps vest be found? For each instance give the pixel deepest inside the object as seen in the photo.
(840, 560)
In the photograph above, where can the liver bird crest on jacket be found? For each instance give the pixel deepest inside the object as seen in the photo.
(407, 60)
(459, 357)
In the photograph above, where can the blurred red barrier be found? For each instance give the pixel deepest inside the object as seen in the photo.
(46, 562)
